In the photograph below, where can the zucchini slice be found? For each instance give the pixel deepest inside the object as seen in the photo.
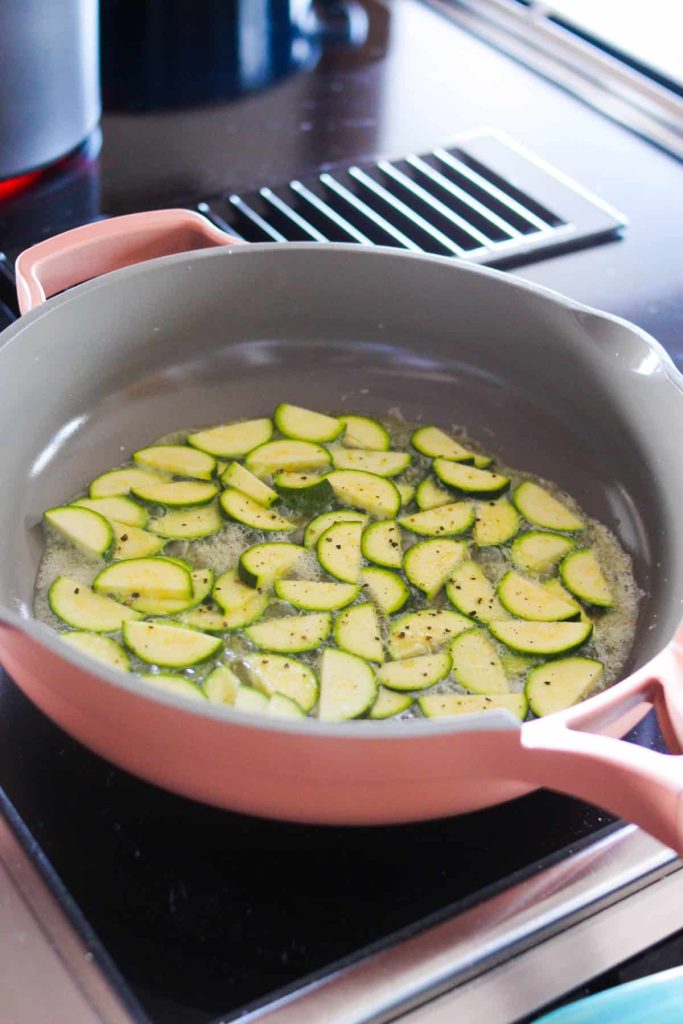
(362, 432)
(284, 707)
(116, 509)
(348, 687)
(241, 605)
(176, 459)
(188, 523)
(539, 507)
(482, 461)
(292, 633)
(476, 664)
(429, 563)
(436, 444)
(202, 582)
(145, 577)
(440, 522)
(80, 607)
(339, 552)
(90, 532)
(314, 596)
(292, 456)
(160, 643)
(541, 638)
(245, 510)
(471, 593)
(277, 673)
(210, 618)
(260, 565)
(389, 703)
(306, 425)
(102, 648)
(249, 699)
(561, 684)
(539, 551)
(132, 542)
(430, 495)
(233, 440)
(240, 479)
(119, 481)
(477, 483)
(366, 491)
(581, 573)
(379, 463)
(317, 526)
(424, 632)
(176, 494)
(179, 685)
(443, 705)
(381, 544)
(221, 685)
(407, 492)
(304, 492)
(357, 630)
(526, 599)
(388, 590)
(496, 523)
(415, 673)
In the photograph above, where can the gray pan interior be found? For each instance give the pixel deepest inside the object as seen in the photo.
(192, 340)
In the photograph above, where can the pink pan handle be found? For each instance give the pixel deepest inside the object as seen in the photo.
(563, 752)
(94, 249)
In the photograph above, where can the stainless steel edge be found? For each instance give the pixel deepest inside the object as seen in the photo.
(387, 985)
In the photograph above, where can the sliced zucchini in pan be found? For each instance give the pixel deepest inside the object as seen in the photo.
(304, 492)
(482, 461)
(120, 481)
(443, 705)
(233, 440)
(277, 673)
(387, 589)
(132, 542)
(348, 687)
(306, 425)
(357, 630)
(476, 664)
(539, 507)
(240, 479)
(179, 685)
(539, 551)
(117, 509)
(80, 607)
(429, 563)
(415, 673)
(241, 604)
(339, 551)
(160, 643)
(430, 495)
(362, 432)
(145, 577)
(471, 593)
(560, 684)
(379, 463)
(381, 544)
(407, 492)
(437, 444)
(468, 480)
(315, 596)
(389, 703)
(103, 648)
(284, 707)
(424, 632)
(210, 617)
(249, 699)
(245, 510)
(581, 573)
(188, 523)
(221, 685)
(440, 522)
(366, 491)
(317, 526)
(260, 565)
(292, 633)
(177, 459)
(289, 456)
(541, 638)
(90, 532)
(526, 599)
(176, 494)
(202, 582)
(496, 523)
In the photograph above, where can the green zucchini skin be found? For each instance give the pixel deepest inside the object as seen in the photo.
(470, 481)
(541, 638)
(308, 495)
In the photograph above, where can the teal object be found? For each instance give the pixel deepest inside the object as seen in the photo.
(654, 1000)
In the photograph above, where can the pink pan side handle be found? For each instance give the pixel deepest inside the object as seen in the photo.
(642, 786)
(86, 252)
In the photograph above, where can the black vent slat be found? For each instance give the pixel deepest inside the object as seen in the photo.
(378, 228)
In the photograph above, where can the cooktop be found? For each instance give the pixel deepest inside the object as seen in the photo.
(196, 914)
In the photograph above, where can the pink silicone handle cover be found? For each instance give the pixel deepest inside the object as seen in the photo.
(643, 786)
(94, 249)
